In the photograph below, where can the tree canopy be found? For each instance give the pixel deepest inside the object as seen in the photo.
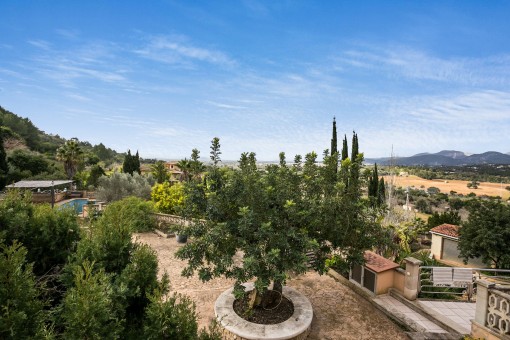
(486, 234)
(275, 217)
(71, 155)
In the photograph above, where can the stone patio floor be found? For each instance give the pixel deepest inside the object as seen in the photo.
(339, 312)
(456, 314)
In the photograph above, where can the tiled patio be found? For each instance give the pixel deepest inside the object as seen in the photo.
(412, 318)
(459, 314)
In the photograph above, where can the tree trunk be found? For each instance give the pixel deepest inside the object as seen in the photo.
(267, 298)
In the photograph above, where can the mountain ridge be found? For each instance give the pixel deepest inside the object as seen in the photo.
(445, 158)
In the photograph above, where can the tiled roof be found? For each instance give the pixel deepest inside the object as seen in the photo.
(378, 263)
(447, 230)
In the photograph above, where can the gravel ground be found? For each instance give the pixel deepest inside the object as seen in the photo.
(339, 313)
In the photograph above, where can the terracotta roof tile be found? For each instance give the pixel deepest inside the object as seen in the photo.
(446, 229)
(378, 263)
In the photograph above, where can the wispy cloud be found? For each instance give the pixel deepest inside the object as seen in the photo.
(42, 44)
(177, 50)
(410, 63)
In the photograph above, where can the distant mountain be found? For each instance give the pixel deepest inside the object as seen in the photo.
(452, 154)
(446, 158)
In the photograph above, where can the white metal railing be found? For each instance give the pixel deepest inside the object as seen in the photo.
(457, 280)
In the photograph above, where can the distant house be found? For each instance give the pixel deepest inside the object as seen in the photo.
(444, 248)
(174, 171)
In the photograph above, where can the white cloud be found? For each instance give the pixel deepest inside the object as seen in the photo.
(176, 50)
(415, 64)
(42, 44)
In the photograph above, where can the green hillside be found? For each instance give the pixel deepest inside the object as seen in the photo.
(30, 153)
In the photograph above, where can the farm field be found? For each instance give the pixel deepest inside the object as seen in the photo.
(485, 188)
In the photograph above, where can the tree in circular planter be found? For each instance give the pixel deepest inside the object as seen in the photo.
(275, 217)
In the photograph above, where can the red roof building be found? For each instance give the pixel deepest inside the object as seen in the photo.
(445, 229)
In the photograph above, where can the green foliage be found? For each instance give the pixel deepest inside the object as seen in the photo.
(433, 190)
(131, 164)
(423, 206)
(456, 203)
(23, 127)
(334, 143)
(4, 168)
(131, 212)
(487, 233)
(275, 217)
(28, 161)
(71, 155)
(174, 318)
(159, 172)
(107, 281)
(50, 235)
(376, 188)
(137, 281)
(88, 307)
(168, 198)
(345, 149)
(21, 311)
(121, 185)
(215, 151)
(96, 172)
(450, 217)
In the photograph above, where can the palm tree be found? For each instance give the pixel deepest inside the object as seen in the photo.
(159, 171)
(71, 155)
(185, 166)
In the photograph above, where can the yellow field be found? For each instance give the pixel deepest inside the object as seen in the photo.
(485, 188)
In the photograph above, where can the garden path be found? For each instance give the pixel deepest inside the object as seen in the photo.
(339, 313)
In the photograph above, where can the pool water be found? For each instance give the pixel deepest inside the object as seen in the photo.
(77, 204)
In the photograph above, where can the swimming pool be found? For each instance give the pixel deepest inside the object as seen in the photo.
(77, 204)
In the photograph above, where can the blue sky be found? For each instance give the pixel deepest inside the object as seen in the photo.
(163, 77)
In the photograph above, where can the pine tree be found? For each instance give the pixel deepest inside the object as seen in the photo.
(334, 144)
(345, 149)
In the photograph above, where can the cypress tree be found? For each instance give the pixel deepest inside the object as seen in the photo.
(354, 152)
(334, 145)
(127, 166)
(345, 149)
(136, 163)
(381, 192)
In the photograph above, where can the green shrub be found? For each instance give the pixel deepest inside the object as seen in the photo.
(21, 311)
(132, 212)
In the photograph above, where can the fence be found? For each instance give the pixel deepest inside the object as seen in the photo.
(457, 281)
(492, 317)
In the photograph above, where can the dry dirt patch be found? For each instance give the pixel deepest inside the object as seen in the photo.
(339, 313)
(484, 188)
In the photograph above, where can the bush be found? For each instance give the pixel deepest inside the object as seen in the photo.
(121, 185)
(50, 235)
(88, 308)
(132, 212)
(169, 199)
(21, 311)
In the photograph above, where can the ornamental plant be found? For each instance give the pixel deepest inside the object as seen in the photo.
(274, 217)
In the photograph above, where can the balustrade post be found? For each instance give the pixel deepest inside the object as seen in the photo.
(412, 278)
(482, 301)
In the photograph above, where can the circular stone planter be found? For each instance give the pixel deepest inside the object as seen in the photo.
(234, 327)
